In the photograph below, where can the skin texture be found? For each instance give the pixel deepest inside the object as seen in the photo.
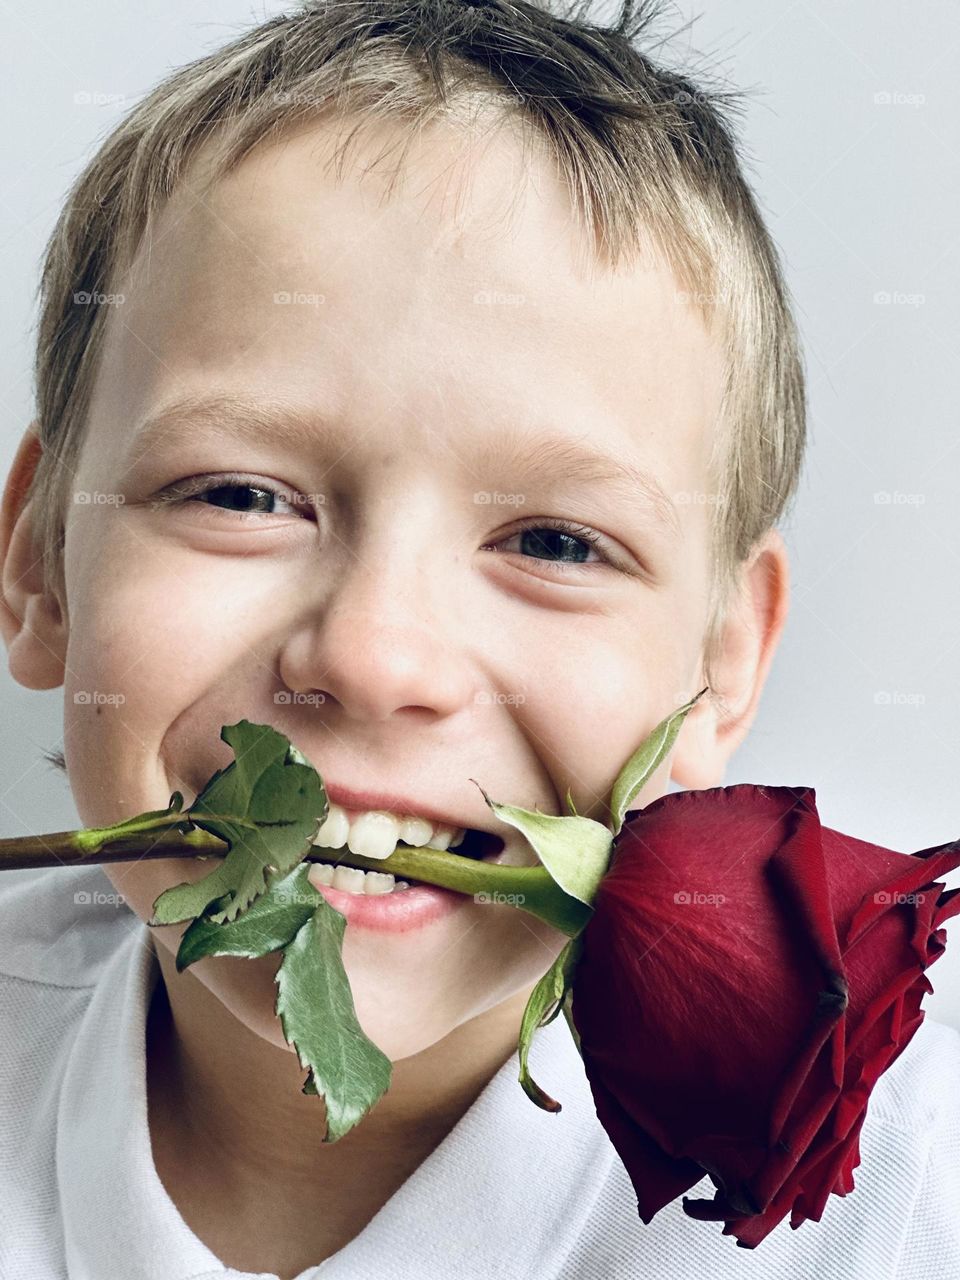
(413, 608)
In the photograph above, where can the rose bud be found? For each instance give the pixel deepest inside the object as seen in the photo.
(746, 977)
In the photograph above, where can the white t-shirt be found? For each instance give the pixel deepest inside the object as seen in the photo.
(512, 1193)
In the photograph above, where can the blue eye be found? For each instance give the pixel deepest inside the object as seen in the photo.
(557, 542)
(231, 489)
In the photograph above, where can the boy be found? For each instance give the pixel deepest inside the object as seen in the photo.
(444, 485)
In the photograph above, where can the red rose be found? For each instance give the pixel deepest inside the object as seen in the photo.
(746, 977)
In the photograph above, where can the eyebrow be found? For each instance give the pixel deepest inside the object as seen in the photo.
(536, 455)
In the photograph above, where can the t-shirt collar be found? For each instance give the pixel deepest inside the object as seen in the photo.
(505, 1193)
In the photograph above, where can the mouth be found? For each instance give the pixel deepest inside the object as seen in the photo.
(482, 846)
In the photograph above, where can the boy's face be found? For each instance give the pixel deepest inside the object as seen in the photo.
(418, 344)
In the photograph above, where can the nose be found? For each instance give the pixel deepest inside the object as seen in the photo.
(375, 650)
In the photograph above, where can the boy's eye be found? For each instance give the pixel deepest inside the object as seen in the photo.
(554, 541)
(241, 495)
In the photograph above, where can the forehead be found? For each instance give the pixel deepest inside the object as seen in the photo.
(456, 292)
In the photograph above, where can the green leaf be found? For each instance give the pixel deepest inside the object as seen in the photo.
(644, 761)
(318, 1017)
(545, 1002)
(575, 850)
(267, 806)
(268, 925)
(568, 1015)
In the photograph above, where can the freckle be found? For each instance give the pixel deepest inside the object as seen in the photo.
(99, 708)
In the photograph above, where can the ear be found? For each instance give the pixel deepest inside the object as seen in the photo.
(34, 629)
(748, 640)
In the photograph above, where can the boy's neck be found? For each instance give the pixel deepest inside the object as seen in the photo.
(239, 1148)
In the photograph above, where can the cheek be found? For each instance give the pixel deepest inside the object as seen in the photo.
(142, 625)
(140, 668)
(604, 688)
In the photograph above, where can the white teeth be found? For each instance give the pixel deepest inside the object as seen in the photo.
(350, 879)
(334, 829)
(353, 880)
(378, 882)
(373, 835)
(320, 873)
(415, 831)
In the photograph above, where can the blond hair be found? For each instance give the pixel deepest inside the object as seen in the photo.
(647, 156)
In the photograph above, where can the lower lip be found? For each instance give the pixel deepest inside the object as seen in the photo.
(400, 910)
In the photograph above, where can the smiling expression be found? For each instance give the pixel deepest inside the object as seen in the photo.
(400, 479)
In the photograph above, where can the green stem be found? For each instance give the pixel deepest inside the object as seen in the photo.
(532, 889)
(68, 848)
(93, 839)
